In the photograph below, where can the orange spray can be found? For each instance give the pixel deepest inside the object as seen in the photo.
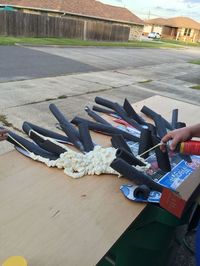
(190, 147)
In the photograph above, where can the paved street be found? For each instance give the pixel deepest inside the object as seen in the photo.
(115, 58)
(33, 77)
(21, 63)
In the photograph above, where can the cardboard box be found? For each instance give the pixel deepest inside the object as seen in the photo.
(187, 192)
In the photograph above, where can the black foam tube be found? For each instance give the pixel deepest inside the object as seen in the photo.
(118, 141)
(145, 142)
(128, 157)
(30, 146)
(134, 175)
(45, 132)
(27, 128)
(67, 127)
(174, 118)
(46, 144)
(63, 120)
(180, 125)
(122, 113)
(186, 157)
(152, 128)
(160, 126)
(85, 137)
(40, 141)
(105, 102)
(119, 110)
(142, 192)
(150, 113)
(132, 113)
(95, 116)
(102, 110)
(108, 130)
(162, 157)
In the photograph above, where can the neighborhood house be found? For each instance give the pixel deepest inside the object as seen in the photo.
(87, 11)
(178, 28)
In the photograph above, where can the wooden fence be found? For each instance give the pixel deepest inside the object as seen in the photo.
(31, 25)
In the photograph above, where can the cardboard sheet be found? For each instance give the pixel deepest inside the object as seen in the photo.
(52, 219)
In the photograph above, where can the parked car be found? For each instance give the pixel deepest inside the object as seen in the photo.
(154, 35)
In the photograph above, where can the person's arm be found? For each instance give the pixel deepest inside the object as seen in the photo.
(195, 130)
(179, 135)
(3, 134)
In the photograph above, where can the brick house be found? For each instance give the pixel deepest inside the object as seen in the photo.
(178, 28)
(87, 10)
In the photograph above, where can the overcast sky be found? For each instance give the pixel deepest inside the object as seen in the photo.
(160, 8)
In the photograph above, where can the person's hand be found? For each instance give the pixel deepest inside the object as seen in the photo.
(3, 134)
(176, 136)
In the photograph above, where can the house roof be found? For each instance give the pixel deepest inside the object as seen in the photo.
(90, 8)
(177, 22)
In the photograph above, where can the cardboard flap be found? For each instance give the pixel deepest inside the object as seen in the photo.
(187, 188)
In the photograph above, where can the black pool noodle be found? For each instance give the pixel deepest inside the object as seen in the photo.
(46, 144)
(30, 146)
(119, 110)
(150, 113)
(62, 119)
(180, 125)
(162, 157)
(67, 127)
(26, 128)
(134, 175)
(102, 110)
(45, 132)
(105, 102)
(118, 141)
(108, 130)
(142, 192)
(132, 113)
(174, 118)
(129, 157)
(95, 116)
(152, 128)
(85, 137)
(145, 142)
(160, 126)
(122, 113)
(186, 157)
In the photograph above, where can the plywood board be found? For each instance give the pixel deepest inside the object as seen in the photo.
(51, 219)
(188, 113)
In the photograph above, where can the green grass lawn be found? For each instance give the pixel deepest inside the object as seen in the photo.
(62, 41)
(181, 43)
(197, 87)
(195, 62)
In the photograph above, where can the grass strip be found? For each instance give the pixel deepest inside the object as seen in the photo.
(197, 87)
(197, 62)
(4, 40)
(194, 44)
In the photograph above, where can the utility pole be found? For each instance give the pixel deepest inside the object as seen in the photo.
(149, 14)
